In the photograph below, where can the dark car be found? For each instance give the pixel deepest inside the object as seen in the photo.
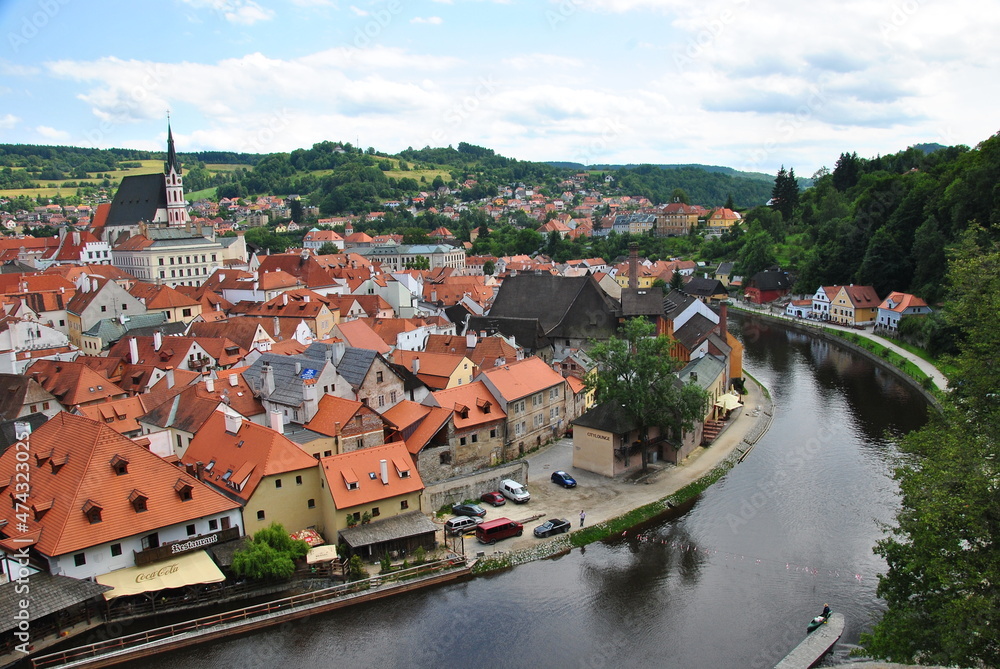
(468, 510)
(552, 526)
(494, 498)
(563, 479)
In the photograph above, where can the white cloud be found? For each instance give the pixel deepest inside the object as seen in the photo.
(244, 12)
(432, 20)
(8, 121)
(51, 133)
(358, 11)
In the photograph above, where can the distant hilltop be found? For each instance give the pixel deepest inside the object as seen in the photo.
(708, 168)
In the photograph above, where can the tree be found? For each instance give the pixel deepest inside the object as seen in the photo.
(327, 248)
(677, 281)
(270, 553)
(295, 208)
(757, 252)
(489, 267)
(419, 263)
(785, 194)
(729, 202)
(638, 372)
(942, 585)
(679, 196)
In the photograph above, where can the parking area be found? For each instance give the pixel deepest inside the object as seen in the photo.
(603, 498)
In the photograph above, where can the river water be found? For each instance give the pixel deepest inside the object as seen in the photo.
(730, 581)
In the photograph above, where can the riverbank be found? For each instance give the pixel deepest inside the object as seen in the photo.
(844, 335)
(614, 505)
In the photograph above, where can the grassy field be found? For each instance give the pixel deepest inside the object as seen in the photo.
(203, 194)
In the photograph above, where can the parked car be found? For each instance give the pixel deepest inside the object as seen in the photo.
(563, 479)
(494, 498)
(461, 525)
(513, 490)
(493, 531)
(468, 510)
(552, 526)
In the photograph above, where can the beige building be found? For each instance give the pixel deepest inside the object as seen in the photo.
(176, 256)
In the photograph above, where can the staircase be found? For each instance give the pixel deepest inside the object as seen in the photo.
(711, 431)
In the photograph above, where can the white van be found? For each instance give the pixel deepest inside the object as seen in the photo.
(514, 491)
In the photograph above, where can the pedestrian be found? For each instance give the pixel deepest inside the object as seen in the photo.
(583, 517)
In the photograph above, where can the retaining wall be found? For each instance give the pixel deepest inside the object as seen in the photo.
(460, 488)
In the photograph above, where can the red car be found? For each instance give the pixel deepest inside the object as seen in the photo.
(494, 498)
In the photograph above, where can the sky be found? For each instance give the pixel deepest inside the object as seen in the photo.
(749, 84)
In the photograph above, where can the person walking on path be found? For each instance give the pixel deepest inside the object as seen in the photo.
(583, 517)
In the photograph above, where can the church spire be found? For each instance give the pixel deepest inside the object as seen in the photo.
(171, 154)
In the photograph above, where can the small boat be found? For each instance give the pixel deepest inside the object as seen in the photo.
(816, 622)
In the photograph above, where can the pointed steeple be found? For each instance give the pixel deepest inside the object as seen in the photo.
(171, 154)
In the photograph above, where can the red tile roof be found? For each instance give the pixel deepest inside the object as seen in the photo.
(73, 383)
(523, 378)
(72, 470)
(358, 467)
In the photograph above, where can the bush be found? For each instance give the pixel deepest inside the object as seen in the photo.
(386, 564)
(419, 556)
(356, 569)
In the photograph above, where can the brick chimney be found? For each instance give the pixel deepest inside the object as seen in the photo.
(723, 322)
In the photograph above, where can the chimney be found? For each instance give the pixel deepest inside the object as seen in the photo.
(157, 340)
(277, 327)
(233, 422)
(633, 265)
(133, 350)
(416, 364)
(233, 381)
(384, 471)
(277, 422)
(298, 368)
(470, 340)
(723, 321)
(199, 467)
(284, 299)
(76, 238)
(170, 377)
(210, 384)
(267, 380)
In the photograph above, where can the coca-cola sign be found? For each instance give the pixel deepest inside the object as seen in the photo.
(156, 573)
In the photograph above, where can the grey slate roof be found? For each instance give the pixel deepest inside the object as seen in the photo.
(354, 365)
(771, 280)
(13, 388)
(411, 524)
(608, 417)
(694, 331)
(725, 269)
(288, 382)
(8, 434)
(527, 332)
(704, 287)
(111, 330)
(137, 199)
(642, 302)
(675, 302)
(706, 370)
(48, 594)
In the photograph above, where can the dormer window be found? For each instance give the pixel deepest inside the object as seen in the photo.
(183, 489)
(119, 464)
(138, 501)
(42, 458)
(57, 463)
(41, 509)
(93, 511)
(353, 485)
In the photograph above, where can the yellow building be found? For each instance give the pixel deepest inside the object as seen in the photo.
(855, 305)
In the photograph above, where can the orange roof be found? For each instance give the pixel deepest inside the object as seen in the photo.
(160, 297)
(434, 369)
(473, 405)
(119, 415)
(249, 453)
(333, 410)
(72, 383)
(862, 297)
(358, 334)
(902, 302)
(363, 468)
(72, 471)
(35, 283)
(525, 377)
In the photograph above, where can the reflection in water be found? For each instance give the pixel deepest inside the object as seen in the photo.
(728, 581)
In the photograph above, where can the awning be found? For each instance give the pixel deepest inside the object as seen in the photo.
(187, 569)
(728, 402)
(321, 554)
(310, 536)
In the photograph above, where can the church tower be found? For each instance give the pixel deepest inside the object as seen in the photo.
(177, 213)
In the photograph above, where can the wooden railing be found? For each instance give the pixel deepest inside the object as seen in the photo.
(287, 604)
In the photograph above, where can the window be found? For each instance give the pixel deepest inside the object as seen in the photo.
(161, 261)
(381, 400)
(461, 441)
(80, 559)
(298, 480)
(190, 530)
(45, 406)
(104, 307)
(277, 483)
(185, 312)
(493, 433)
(150, 541)
(553, 393)
(226, 522)
(213, 525)
(375, 512)
(392, 397)
(311, 504)
(356, 516)
(171, 260)
(475, 438)
(403, 505)
(445, 457)
(536, 400)
(378, 377)
(260, 515)
(116, 550)
(34, 408)
(62, 323)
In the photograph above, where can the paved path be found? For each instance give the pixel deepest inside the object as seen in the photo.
(603, 498)
(940, 380)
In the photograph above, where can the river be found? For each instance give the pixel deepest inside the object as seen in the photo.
(730, 581)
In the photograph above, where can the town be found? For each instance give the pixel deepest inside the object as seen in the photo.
(173, 389)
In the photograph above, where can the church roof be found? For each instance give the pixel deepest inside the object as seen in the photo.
(137, 199)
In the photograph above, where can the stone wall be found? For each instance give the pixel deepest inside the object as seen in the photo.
(458, 489)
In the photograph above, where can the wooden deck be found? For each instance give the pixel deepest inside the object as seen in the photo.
(807, 653)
